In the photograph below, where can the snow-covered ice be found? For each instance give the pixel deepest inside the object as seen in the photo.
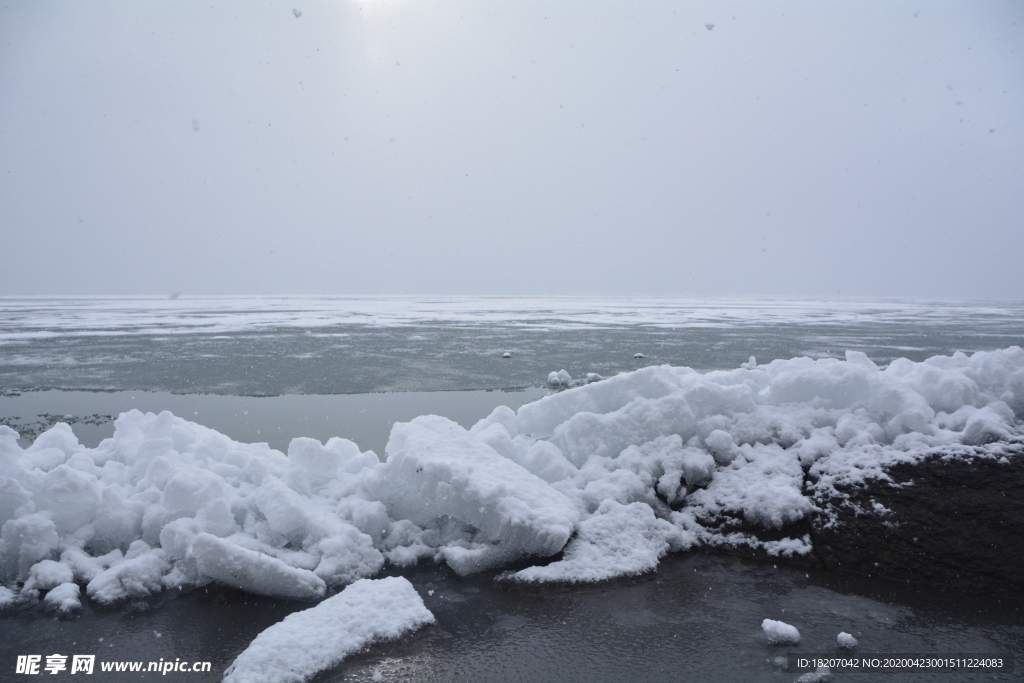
(619, 540)
(253, 571)
(780, 633)
(436, 470)
(320, 637)
(64, 598)
(615, 473)
(846, 640)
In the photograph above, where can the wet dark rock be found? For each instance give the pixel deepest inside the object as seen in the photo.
(953, 519)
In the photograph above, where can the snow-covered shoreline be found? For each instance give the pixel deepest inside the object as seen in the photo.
(604, 478)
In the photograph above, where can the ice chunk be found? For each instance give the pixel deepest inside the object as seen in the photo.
(86, 568)
(321, 637)
(48, 574)
(502, 415)
(620, 540)
(71, 496)
(192, 487)
(8, 598)
(722, 446)
(560, 378)
(15, 500)
(845, 640)
(822, 674)
(540, 457)
(135, 578)
(26, 541)
(301, 519)
(539, 419)
(586, 434)
(986, 425)
(766, 485)
(254, 572)
(323, 462)
(780, 633)
(802, 380)
(436, 468)
(64, 598)
(348, 556)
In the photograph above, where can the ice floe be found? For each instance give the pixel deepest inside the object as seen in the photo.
(320, 637)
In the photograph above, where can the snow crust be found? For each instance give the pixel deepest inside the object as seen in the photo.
(613, 474)
(320, 637)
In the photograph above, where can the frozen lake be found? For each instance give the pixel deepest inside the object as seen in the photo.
(251, 346)
(270, 369)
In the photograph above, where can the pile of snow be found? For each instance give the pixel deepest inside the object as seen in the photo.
(618, 540)
(615, 473)
(780, 633)
(320, 637)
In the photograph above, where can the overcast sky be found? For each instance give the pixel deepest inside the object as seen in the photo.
(512, 147)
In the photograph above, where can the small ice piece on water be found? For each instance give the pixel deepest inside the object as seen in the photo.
(638, 355)
(846, 640)
(593, 377)
(377, 675)
(819, 675)
(750, 364)
(366, 612)
(507, 354)
(779, 632)
(559, 378)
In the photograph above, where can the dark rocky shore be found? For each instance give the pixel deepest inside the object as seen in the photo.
(954, 520)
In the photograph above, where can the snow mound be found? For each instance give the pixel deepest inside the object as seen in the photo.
(780, 633)
(623, 470)
(320, 637)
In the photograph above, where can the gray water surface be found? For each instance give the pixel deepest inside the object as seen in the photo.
(697, 618)
(276, 420)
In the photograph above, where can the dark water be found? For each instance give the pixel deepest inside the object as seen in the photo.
(696, 619)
